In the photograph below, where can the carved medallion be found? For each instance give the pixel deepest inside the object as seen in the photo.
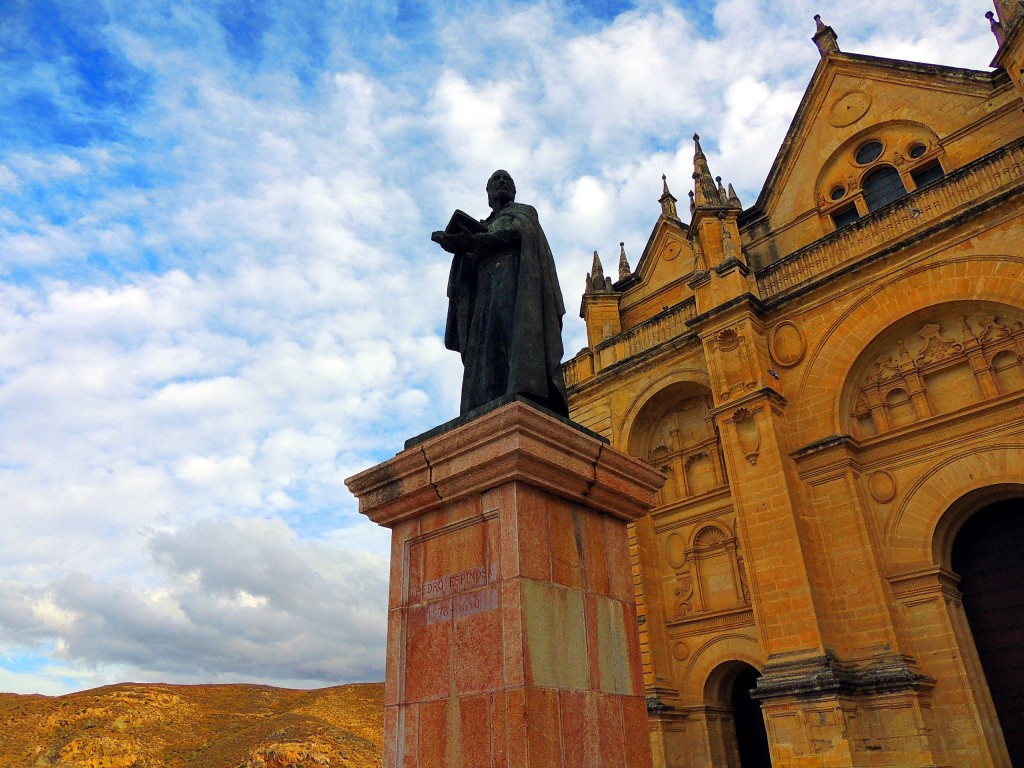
(786, 344)
(882, 487)
(849, 108)
(680, 651)
(672, 249)
(675, 550)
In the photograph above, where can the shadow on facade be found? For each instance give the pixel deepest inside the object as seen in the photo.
(988, 555)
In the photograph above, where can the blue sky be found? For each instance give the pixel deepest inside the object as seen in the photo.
(218, 296)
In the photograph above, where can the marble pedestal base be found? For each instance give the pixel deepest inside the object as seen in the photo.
(512, 637)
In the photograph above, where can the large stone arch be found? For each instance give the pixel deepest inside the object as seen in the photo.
(670, 426)
(919, 541)
(997, 279)
(921, 529)
(933, 345)
(711, 655)
(695, 376)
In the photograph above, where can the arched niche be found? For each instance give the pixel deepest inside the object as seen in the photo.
(675, 432)
(817, 409)
(708, 575)
(932, 362)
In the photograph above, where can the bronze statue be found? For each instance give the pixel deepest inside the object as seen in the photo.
(504, 304)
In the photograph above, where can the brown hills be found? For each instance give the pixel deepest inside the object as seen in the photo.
(194, 726)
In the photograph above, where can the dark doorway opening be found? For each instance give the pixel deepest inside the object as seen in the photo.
(751, 736)
(988, 554)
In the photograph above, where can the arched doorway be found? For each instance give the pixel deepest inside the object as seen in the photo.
(735, 722)
(988, 555)
(751, 736)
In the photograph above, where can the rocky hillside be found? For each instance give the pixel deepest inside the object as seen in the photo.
(194, 726)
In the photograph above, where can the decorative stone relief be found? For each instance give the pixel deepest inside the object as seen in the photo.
(709, 536)
(699, 262)
(675, 551)
(882, 487)
(683, 603)
(714, 553)
(709, 575)
(937, 347)
(680, 651)
(747, 434)
(733, 358)
(744, 586)
(849, 108)
(684, 445)
(949, 363)
(786, 344)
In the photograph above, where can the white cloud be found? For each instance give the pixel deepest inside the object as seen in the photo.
(212, 316)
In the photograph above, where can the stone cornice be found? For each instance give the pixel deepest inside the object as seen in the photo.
(827, 675)
(514, 443)
(751, 400)
(747, 301)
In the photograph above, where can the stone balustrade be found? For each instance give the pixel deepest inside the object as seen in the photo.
(975, 182)
(664, 326)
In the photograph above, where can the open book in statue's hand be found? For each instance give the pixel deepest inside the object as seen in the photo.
(460, 224)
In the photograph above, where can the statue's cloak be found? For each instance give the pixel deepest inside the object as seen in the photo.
(534, 350)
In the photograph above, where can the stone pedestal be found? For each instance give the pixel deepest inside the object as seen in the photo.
(512, 636)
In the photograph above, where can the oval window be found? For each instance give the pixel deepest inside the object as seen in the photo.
(869, 152)
(917, 150)
(837, 193)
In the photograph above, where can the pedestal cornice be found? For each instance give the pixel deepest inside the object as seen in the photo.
(513, 443)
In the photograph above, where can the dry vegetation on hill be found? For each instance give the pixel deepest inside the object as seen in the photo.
(194, 726)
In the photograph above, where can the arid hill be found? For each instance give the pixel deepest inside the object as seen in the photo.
(194, 726)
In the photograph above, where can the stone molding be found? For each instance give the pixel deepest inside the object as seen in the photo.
(830, 456)
(720, 620)
(925, 582)
(825, 675)
(516, 442)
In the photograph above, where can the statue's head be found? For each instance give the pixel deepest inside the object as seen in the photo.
(500, 185)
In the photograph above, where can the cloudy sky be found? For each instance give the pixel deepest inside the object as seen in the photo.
(218, 296)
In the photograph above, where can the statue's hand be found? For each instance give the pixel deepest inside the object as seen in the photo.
(461, 241)
(464, 240)
(445, 241)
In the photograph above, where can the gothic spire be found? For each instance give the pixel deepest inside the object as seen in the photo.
(624, 270)
(734, 199)
(668, 202)
(596, 281)
(825, 37)
(704, 185)
(723, 196)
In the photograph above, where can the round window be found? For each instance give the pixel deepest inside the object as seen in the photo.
(917, 150)
(837, 192)
(869, 152)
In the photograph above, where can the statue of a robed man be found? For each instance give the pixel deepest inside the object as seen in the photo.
(504, 304)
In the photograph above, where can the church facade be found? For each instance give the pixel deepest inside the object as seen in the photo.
(832, 380)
